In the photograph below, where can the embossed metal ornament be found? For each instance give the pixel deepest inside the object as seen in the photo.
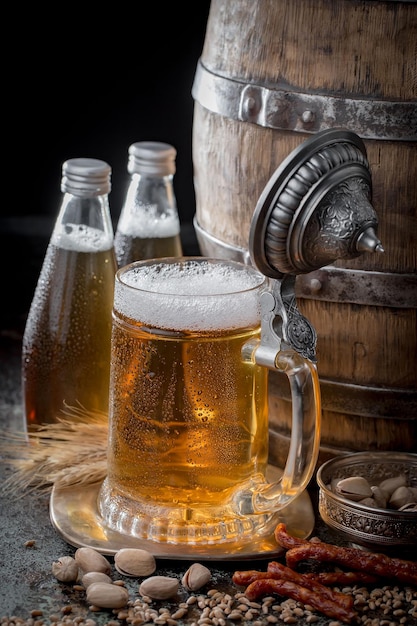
(315, 209)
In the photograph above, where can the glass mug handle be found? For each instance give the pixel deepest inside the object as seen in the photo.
(278, 354)
(305, 434)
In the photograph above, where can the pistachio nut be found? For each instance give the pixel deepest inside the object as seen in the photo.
(389, 485)
(196, 577)
(89, 560)
(379, 497)
(107, 595)
(95, 577)
(413, 490)
(333, 484)
(159, 587)
(370, 502)
(134, 562)
(65, 569)
(354, 488)
(410, 506)
(402, 495)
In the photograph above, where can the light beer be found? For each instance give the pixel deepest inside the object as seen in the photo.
(66, 344)
(148, 227)
(131, 247)
(188, 413)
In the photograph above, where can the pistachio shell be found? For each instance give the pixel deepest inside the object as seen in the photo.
(333, 484)
(410, 506)
(159, 587)
(95, 577)
(107, 595)
(401, 496)
(65, 569)
(196, 577)
(354, 488)
(134, 562)
(370, 502)
(413, 490)
(389, 485)
(89, 560)
(379, 497)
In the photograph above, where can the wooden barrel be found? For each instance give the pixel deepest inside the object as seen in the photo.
(272, 73)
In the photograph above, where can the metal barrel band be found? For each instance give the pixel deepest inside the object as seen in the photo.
(361, 400)
(283, 109)
(329, 283)
(332, 284)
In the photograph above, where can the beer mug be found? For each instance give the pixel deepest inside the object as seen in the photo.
(188, 420)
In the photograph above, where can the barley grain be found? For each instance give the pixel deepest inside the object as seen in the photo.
(147, 599)
(191, 600)
(235, 615)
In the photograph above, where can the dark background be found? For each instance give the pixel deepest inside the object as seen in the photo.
(87, 80)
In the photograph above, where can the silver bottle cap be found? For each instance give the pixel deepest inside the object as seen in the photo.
(86, 177)
(151, 158)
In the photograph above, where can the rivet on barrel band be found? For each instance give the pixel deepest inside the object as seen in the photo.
(300, 112)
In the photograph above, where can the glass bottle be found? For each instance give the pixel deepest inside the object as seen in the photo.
(66, 342)
(149, 225)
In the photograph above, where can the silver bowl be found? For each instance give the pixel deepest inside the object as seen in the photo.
(377, 529)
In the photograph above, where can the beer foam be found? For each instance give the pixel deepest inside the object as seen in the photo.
(151, 225)
(81, 238)
(190, 294)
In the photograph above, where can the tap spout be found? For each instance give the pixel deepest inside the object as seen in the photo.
(368, 241)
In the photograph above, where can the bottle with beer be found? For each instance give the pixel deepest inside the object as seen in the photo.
(66, 342)
(149, 225)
